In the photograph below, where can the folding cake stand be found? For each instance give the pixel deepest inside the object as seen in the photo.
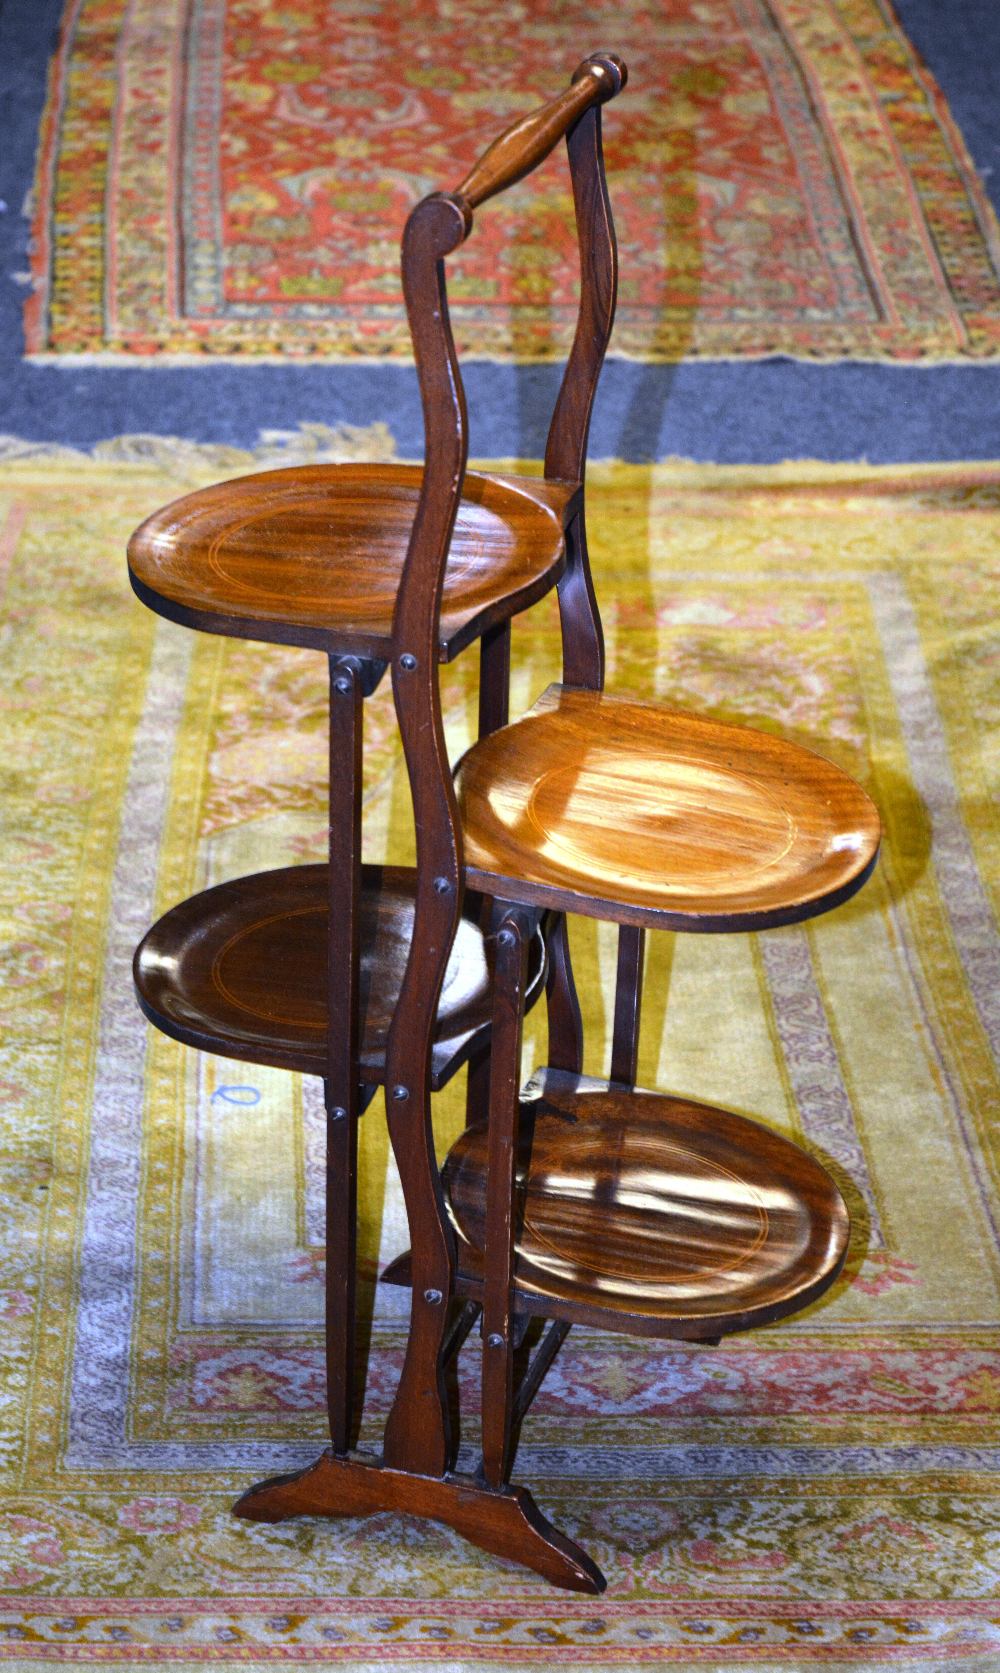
(576, 1199)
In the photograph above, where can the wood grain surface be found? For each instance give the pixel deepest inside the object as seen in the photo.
(506, 1521)
(652, 1214)
(313, 555)
(624, 810)
(525, 144)
(240, 970)
(579, 1200)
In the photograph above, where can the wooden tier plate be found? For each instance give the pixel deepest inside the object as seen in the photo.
(313, 555)
(241, 970)
(652, 1214)
(621, 809)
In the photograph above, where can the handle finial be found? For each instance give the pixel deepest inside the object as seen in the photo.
(528, 142)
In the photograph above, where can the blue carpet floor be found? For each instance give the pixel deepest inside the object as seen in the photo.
(730, 412)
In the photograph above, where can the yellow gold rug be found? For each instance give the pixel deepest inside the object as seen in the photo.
(822, 1494)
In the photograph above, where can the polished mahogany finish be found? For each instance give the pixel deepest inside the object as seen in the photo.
(525, 144)
(313, 555)
(361, 977)
(505, 1521)
(498, 1195)
(652, 1214)
(579, 1200)
(628, 1004)
(240, 970)
(645, 815)
(343, 1093)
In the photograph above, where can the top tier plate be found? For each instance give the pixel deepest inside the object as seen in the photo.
(313, 555)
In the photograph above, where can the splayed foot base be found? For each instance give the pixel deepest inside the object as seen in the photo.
(506, 1522)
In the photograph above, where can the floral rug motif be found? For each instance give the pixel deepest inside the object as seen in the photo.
(824, 1494)
(225, 177)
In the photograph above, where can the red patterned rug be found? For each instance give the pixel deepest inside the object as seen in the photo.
(223, 177)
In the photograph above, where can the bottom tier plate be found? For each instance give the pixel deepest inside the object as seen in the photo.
(241, 970)
(652, 1214)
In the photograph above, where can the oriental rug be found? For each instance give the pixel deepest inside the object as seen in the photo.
(825, 1494)
(228, 178)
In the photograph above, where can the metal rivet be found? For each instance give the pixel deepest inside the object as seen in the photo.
(408, 661)
(338, 1113)
(442, 885)
(506, 938)
(343, 685)
(433, 1297)
(494, 1341)
(400, 1093)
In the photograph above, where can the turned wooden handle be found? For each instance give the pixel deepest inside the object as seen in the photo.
(528, 142)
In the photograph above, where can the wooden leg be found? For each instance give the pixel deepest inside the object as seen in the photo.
(507, 1523)
(494, 678)
(494, 709)
(341, 1268)
(628, 1004)
(510, 979)
(418, 1431)
(477, 1090)
(537, 1364)
(565, 1021)
(341, 1086)
(582, 634)
(583, 665)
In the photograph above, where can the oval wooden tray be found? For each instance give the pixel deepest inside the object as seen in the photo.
(641, 1212)
(646, 815)
(241, 970)
(313, 555)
